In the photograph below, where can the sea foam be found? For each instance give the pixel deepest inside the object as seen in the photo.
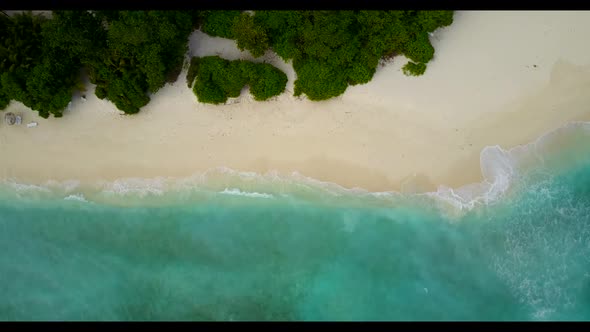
(76, 197)
(238, 192)
(500, 169)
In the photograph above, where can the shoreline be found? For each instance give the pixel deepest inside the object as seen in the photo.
(503, 170)
(395, 133)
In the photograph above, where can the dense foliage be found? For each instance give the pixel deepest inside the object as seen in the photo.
(216, 79)
(414, 69)
(333, 49)
(32, 70)
(250, 36)
(127, 54)
(130, 54)
(145, 49)
(218, 23)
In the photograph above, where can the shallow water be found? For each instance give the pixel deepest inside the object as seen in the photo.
(233, 246)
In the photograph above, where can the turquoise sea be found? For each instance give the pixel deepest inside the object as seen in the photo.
(238, 246)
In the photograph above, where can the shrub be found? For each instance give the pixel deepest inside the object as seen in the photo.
(414, 69)
(218, 79)
(219, 23)
(431, 20)
(318, 81)
(270, 82)
(419, 49)
(250, 36)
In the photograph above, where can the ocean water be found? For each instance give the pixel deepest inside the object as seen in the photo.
(238, 246)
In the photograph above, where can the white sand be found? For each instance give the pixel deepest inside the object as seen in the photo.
(396, 132)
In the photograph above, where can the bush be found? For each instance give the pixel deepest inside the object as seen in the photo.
(219, 23)
(270, 82)
(208, 92)
(218, 79)
(419, 49)
(431, 20)
(318, 81)
(414, 69)
(250, 36)
(363, 69)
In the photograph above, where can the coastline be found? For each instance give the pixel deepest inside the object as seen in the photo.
(396, 133)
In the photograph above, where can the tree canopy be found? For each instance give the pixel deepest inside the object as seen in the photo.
(216, 79)
(128, 54)
(32, 70)
(144, 50)
(132, 54)
(331, 50)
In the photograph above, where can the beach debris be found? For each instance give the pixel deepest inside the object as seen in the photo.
(19, 120)
(83, 97)
(10, 118)
(32, 124)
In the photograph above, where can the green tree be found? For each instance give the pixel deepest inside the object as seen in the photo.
(32, 70)
(219, 23)
(333, 49)
(250, 36)
(267, 82)
(80, 33)
(318, 81)
(414, 69)
(145, 49)
(218, 79)
(419, 49)
(431, 20)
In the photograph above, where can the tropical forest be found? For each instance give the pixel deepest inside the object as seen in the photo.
(130, 55)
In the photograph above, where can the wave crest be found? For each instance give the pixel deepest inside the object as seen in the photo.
(238, 192)
(502, 169)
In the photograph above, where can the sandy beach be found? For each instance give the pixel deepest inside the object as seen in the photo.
(497, 78)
